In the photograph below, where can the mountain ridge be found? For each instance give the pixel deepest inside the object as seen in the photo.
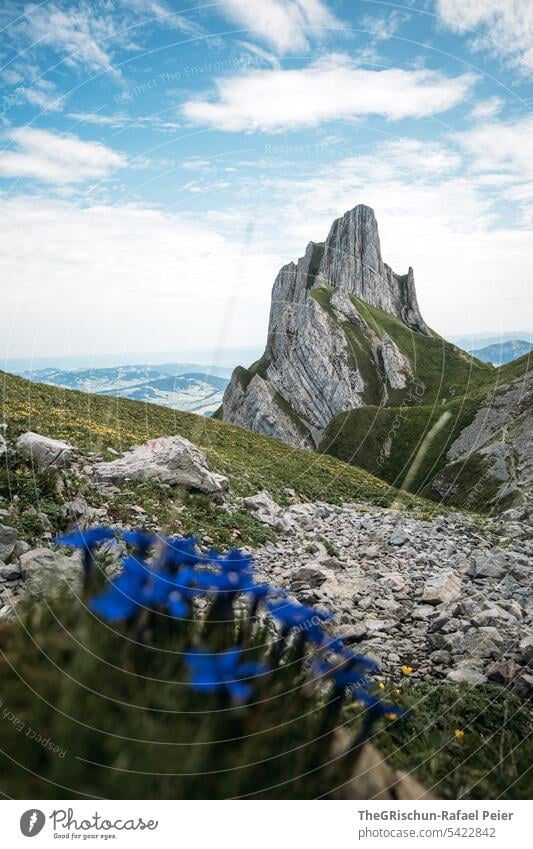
(349, 359)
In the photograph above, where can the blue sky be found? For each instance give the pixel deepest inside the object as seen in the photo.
(159, 161)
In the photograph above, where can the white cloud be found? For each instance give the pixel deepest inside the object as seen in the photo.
(501, 147)
(76, 32)
(472, 262)
(503, 27)
(86, 34)
(385, 27)
(262, 56)
(330, 89)
(48, 157)
(121, 120)
(486, 109)
(44, 95)
(286, 25)
(125, 278)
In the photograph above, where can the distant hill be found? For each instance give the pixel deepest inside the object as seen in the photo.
(501, 353)
(195, 390)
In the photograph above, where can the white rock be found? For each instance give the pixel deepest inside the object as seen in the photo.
(45, 572)
(442, 588)
(464, 675)
(46, 453)
(168, 459)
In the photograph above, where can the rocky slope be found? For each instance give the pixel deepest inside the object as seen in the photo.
(445, 598)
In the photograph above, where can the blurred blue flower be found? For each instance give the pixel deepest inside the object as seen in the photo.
(307, 620)
(141, 540)
(85, 539)
(120, 600)
(223, 673)
(376, 707)
(182, 551)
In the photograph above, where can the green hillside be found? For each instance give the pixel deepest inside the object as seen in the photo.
(385, 440)
(96, 423)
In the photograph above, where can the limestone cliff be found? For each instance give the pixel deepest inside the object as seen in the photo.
(322, 356)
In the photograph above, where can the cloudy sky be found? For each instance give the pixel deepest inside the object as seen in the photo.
(160, 159)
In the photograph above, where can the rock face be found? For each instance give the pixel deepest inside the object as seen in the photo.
(322, 357)
(169, 460)
(44, 452)
(497, 444)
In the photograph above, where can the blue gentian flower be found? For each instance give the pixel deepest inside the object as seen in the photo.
(142, 540)
(376, 707)
(341, 675)
(121, 599)
(182, 551)
(306, 619)
(223, 673)
(85, 539)
(234, 561)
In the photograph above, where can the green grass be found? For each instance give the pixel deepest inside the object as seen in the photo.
(252, 462)
(445, 379)
(359, 436)
(493, 759)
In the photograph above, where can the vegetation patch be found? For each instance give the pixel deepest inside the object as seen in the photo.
(464, 742)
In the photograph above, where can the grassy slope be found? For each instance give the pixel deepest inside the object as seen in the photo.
(452, 381)
(252, 462)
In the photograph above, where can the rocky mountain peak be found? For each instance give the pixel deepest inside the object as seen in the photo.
(322, 355)
(351, 261)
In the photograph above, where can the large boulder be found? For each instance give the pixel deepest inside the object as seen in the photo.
(170, 460)
(46, 453)
(46, 572)
(8, 538)
(442, 588)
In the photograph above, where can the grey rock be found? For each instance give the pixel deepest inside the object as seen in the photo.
(47, 572)
(44, 452)
(464, 675)
(263, 508)
(21, 547)
(3, 446)
(442, 588)
(168, 460)
(489, 567)
(10, 572)
(8, 538)
(399, 537)
(313, 577)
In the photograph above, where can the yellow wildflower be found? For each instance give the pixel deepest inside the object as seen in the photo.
(407, 670)
(459, 734)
